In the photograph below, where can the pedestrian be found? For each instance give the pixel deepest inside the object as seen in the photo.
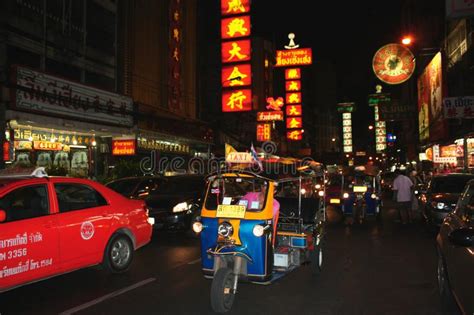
(402, 186)
(417, 183)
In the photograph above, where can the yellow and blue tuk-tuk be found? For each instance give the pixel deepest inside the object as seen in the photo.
(256, 229)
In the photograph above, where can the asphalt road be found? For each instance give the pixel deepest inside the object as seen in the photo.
(379, 268)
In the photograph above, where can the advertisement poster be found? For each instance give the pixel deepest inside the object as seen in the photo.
(430, 101)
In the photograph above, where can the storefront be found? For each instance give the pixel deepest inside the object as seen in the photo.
(63, 125)
(450, 157)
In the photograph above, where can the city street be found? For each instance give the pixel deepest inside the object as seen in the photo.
(379, 268)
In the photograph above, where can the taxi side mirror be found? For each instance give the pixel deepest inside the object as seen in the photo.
(3, 216)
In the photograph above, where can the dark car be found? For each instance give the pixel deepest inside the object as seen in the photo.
(177, 202)
(441, 196)
(136, 187)
(455, 244)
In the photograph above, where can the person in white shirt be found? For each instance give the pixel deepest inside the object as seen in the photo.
(402, 186)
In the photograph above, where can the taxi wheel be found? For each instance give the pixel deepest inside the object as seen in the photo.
(222, 292)
(118, 254)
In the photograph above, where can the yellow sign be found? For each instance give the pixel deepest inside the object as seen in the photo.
(335, 201)
(231, 211)
(360, 188)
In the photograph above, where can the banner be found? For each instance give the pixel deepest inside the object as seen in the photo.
(458, 107)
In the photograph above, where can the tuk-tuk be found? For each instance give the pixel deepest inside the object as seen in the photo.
(257, 229)
(361, 193)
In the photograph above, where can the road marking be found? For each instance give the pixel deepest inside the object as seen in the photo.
(106, 297)
(194, 261)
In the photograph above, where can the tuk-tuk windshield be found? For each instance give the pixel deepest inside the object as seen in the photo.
(246, 191)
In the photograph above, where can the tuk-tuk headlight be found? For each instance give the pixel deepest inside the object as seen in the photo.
(197, 227)
(321, 193)
(318, 186)
(225, 229)
(258, 230)
(345, 195)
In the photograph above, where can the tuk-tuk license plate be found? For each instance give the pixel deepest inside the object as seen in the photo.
(360, 188)
(231, 211)
(336, 201)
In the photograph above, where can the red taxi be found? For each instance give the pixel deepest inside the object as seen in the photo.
(53, 225)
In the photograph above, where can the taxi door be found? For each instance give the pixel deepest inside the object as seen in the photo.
(29, 247)
(84, 224)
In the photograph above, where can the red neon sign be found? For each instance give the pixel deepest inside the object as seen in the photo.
(6, 151)
(294, 135)
(294, 57)
(230, 7)
(270, 116)
(293, 98)
(236, 75)
(292, 73)
(123, 147)
(294, 110)
(235, 27)
(237, 100)
(263, 132)
(235, 51)
(293, 85)
(294, 122)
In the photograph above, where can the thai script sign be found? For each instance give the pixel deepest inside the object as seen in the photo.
(43, 93)
(459, 107)
(294, 57)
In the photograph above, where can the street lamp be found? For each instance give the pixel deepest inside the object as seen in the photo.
(371, 127)
(333, 139)
(407, 40)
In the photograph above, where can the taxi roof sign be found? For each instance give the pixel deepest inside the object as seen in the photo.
(24, 172)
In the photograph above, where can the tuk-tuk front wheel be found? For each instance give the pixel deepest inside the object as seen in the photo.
(222, 291)
(316, 257)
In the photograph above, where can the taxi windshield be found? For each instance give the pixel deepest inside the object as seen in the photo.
(249, 192)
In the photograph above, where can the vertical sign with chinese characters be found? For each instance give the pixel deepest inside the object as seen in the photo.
(380, 132)
(236, 73)
(264, 132)
(347, 132)
(294, 113)
(174, 78)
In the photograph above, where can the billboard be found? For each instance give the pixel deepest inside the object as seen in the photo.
(459, 8)
(430, 101)
(393, 64)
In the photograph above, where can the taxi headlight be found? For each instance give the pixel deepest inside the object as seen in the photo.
(440, 205)
(197, 227)
(320, 193)
(345, 195)
(258, 230)
(181, 207)
(225, 229)
(318, 186)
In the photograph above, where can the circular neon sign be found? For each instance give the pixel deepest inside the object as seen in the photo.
(393, 64)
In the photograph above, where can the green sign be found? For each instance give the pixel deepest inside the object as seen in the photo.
(346, 107)
(378, 99)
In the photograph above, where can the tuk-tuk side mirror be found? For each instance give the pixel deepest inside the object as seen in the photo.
(3, 216)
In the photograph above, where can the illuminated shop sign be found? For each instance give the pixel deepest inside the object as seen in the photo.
(149, 143)
(264, 132)
(294, 135)
(294, 110)
(293, 85)
(236, 75)
(293, 98)
(270, 116)
(294, 122)
(393, 64)
(235, 27)
(380, 132)
(347, 132)
(275, 104)
(294, 57)
(235, 51)
(123, 146)
(26, 134)
(46, 145)
(237, 100)
(292, 73)
(230, 7)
